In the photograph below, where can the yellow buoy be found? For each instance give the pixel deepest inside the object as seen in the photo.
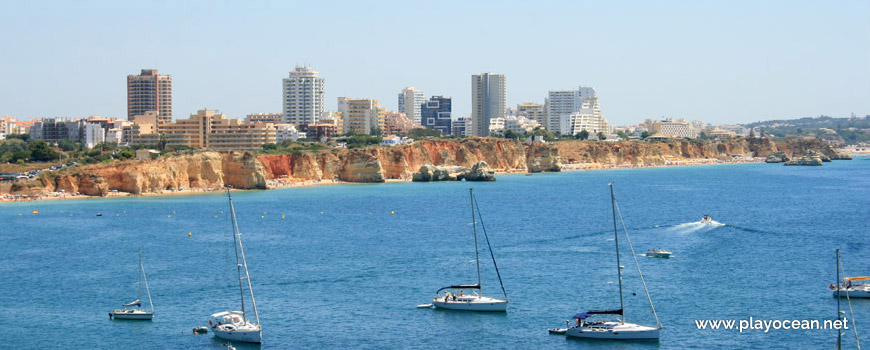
(392, 213)
(173, 211)
(282, 216)
(35, 211)
(189, 234)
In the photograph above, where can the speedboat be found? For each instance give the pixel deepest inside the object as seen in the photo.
(853, 287)
(658, 253)
(706, 220)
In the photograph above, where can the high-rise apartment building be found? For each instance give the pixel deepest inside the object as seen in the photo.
(487, 101)
(303, 96)
(435, 114)
(410, 100)
(149, 91)
(561, 104)
(363, 116)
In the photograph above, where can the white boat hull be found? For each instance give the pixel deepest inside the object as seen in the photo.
(473, 304)
(132, 315)
(254, 336)
(628, 331)
(853, 293)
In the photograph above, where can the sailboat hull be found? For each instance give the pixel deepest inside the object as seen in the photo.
(853, 293)
(132, 315)
(255, 336)
(615, 331)
(473, 304)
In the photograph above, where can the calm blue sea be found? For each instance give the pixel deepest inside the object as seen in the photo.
(340, 271)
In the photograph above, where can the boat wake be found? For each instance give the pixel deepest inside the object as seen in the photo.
(696, 227)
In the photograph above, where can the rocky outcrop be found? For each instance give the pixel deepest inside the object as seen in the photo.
(480, 172)
(429, 172)
(778, 157)
(810, 160)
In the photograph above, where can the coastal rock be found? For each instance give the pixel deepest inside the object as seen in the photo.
(429, 172)
(776, 158)
(362, 166)
(480, 172)
(809, 160)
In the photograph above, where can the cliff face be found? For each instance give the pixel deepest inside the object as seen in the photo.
(198, 170)
(244, 170)
(642, 153)
(380, 164)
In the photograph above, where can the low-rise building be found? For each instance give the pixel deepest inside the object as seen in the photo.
(146, 154)
(398, 123)
(671, 128)
(462, 127)
(94, 135)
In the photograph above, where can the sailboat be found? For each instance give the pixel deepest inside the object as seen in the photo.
(236, 325)
(136, 313)
(620, 329)
(458, 297)
(841, 313)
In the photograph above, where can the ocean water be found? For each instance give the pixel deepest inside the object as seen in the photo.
(339, 270)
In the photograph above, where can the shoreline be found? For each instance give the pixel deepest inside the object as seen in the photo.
(273, 184)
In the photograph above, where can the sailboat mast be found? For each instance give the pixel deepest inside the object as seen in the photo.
(474, 228)
(839, 317)
(145, 278)
(139, 281)
(236, 250)
(616, 239)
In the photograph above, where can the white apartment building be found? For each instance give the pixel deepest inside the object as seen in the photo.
(287, 132)
(94, 135)
(303, 96)
(562, 103)
(587, 119)
(410, 100)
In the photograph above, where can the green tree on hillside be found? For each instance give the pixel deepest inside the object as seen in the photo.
(582, 135)
(40, 151)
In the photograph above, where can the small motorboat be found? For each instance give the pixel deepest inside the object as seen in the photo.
(200, 330)
(99, 214)
(658, 253)
(559, 331)
(706, 219)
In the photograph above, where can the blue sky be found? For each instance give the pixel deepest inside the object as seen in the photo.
(718, 61)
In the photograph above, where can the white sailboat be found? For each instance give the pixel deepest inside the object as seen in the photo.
(841, 313)
(236, 325)
(457, 297)
(136, 313)
(619, 329)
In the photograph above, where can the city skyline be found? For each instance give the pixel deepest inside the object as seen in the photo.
(723, 63)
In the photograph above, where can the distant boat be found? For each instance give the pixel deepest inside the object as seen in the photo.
(706, 220)
(658, 253)
(619, 329)
(235, 325)
(137, 313)
(458, 297)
